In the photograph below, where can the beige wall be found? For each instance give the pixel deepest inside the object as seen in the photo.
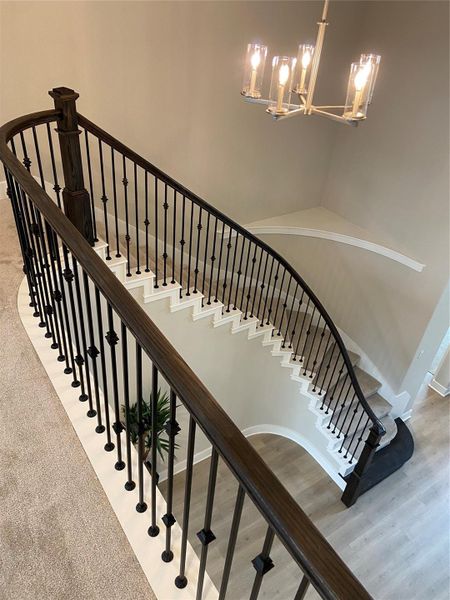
(390, 176)
(165, 78)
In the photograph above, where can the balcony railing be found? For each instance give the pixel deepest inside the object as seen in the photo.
(111, 350)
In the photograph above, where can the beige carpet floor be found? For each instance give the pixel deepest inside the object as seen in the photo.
(59, 538)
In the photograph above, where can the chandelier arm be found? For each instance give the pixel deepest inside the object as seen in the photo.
(316, 57)
(292, 113)
(333, 117)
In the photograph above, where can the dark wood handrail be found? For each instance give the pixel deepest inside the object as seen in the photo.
(315, 556)
(377, 426)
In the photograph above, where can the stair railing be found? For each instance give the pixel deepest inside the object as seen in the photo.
(110, 350)
(154, 223)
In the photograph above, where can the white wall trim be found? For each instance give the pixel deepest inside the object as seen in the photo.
(341, 238)
(439, 388)
(301, 441)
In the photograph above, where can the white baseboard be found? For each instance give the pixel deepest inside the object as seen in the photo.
(439, 388)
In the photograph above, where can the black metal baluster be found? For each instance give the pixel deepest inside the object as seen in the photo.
(165, 255)
(109, 446)
(91, 185)
(287, 338)
(275, 279)
(112, 339)
(18, 197)
(343, 404)
(27, 211)
(342, 383)
(311, 348)
(181, 580)
(129, 484)
(146, 223)
(267, 293)
(305, 317)
(72, 368)
(116, 217)
(239, 273)
(262, 563)
(359, 439)
(56, 186)
(249, 291)
(216, 299)
(278, 301)
(38, 157)
(52, 242)
(93, 352)
(156, 233)
(333, 371)
(205, 258)
(213, 260)
(174, 234)
(303, 588)
(232, 542)
(153, 530)
(199, 231)
(224, 285)
(284, 306)
(43, 270)
(243, 296)
(319, 371)
(255, 293)
(294, 329)
(345, 429)
(91, 412)
(206, 536)
(262, 286)
(127, 225)
(14, 195)
(136, 210)
(26, 159)
(232, 272)
(141, 506)
(104, 199)
(172, 429)
(68, 276)
(188, 293)
(182, 244)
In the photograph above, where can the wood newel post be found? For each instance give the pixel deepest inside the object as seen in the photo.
(353, 487)
(77, 205)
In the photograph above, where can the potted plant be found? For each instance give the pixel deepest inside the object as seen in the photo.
(162, 418)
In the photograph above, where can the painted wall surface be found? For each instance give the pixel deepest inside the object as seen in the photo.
(390, 176)
(165, 77)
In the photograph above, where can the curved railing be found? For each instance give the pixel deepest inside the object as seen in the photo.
(80, 304)
(183, 239)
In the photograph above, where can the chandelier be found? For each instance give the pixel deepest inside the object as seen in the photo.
(298, 76)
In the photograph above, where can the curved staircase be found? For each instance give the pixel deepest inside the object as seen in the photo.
(160, 236)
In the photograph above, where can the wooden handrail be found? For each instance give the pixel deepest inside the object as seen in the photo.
(377, 426)
(315, 556)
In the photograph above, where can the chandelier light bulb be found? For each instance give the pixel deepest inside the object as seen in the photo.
(254, 70)
(306, 59)
(256, 59)
(283, 74)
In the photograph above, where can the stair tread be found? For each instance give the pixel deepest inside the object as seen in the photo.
(369, 385)
(379, 405)
(391, 431)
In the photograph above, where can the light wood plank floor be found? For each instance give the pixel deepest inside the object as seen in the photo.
(395, 539)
